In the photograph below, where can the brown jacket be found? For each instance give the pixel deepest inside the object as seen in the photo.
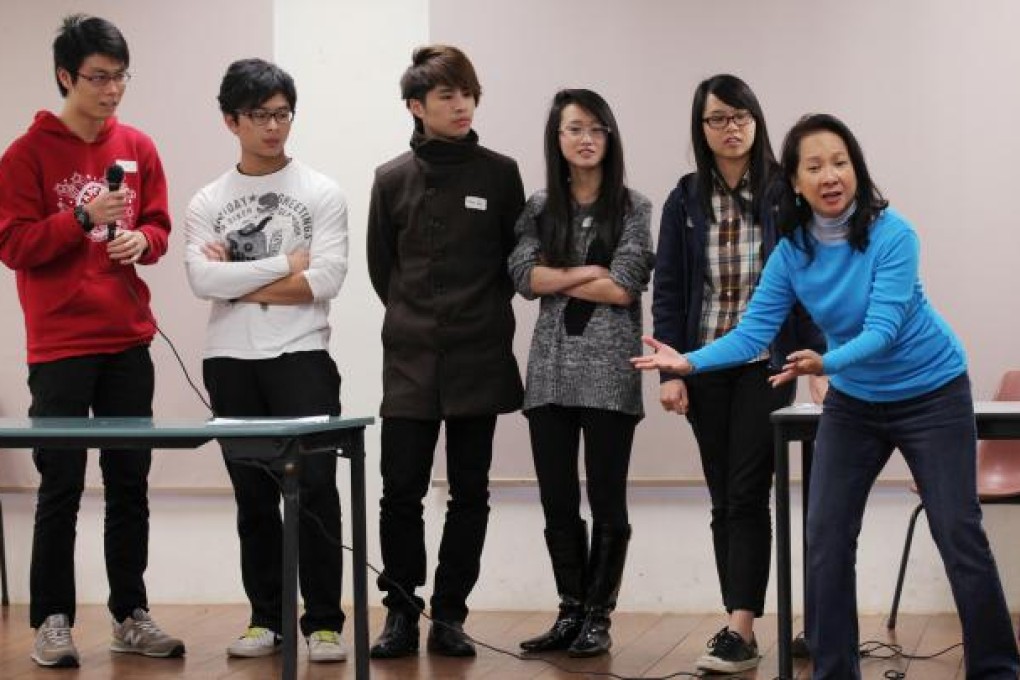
(440, 228)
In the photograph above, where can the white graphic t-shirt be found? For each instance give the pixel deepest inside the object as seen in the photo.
(260, 220)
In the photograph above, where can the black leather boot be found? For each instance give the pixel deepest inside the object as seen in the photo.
(447, 638)
(399, 636)
(608, 556)
(568, 549)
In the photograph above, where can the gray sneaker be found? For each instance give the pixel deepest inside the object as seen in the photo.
(53, 645)
(139, 634)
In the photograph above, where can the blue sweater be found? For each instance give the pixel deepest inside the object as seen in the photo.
(885, 342)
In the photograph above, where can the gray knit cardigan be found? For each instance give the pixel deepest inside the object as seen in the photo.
(592, 369)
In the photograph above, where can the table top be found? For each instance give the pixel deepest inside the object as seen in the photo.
(994, 419)
(183, 427)
(982, 409)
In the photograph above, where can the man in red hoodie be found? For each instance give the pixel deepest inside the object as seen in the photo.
(73, 241)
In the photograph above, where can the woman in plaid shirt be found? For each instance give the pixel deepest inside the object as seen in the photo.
(718, 228)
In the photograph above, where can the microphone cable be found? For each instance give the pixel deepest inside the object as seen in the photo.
(333, 540)
(152, 319)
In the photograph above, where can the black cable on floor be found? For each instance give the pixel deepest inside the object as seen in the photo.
(869, 649)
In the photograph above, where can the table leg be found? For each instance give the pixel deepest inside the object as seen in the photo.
(290, 568)
(800, 648)
(357, 458)
(4, 599)
(784, 606)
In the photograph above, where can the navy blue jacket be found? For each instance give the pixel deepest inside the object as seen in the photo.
(680, 264)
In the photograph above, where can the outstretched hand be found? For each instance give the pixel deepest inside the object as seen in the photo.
(664, 358)
(801, 362)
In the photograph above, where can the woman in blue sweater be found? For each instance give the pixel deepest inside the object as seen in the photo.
(898, 379)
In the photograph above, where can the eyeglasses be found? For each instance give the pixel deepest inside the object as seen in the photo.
(261, 117)
(598, 133)
(102, 79)
(718, 121)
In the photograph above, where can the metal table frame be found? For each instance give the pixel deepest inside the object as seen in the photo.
(278, 442)
(994, 419)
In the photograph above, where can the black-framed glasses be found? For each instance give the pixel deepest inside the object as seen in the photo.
(578, 132)
(720, 121)
(102, 79)
(261, 117)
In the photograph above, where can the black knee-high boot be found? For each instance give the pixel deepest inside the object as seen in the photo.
(605, 571)
(568, 550)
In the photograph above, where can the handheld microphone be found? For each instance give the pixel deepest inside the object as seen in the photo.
(114, 178)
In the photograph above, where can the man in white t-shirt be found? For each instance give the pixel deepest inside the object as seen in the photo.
(267, 245)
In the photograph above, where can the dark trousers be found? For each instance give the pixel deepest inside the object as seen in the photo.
(555, 443)
(118, 384)
(729, 413)
(291, 385)
(408, 448)
(936, 435)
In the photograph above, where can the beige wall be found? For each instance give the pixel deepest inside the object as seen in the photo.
(928, 86)
(179, 52)
(347, 56)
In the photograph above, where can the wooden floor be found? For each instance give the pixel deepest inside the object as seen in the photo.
(645, 646)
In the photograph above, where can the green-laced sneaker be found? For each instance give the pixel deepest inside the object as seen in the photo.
(326, 646)
(255, 642)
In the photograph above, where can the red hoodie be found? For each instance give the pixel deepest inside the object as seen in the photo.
(76, 300)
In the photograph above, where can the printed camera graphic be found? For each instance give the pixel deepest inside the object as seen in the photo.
(249, 242)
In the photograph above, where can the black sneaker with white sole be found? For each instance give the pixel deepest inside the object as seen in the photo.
(729, 653)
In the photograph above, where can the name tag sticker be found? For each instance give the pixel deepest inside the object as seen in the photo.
(475, 203)
(129, 166)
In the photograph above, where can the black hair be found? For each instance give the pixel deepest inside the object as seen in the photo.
(763, 167)
(79, 37)
(555, 225)
(435, 65)
(794, 213)
(249, 82)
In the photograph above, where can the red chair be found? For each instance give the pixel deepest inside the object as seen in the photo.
(998, 479)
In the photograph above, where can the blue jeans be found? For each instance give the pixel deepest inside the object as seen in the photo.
(935, 432)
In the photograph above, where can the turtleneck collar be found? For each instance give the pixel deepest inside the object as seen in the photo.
(439, 150)
(832, 229)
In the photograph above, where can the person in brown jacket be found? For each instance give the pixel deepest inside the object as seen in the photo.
(440, 229)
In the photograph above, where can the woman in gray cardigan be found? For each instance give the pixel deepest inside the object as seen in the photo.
(584, 248)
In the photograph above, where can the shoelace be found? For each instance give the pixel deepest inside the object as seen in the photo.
(149, 626)
(329, 636)
(255, 632)
(725, 641)
(60, 636)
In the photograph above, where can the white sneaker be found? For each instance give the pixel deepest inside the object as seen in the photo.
(255, 642)
(54, 647)
(326, 646)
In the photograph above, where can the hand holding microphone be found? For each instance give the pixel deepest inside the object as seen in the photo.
(114, 178)
(126, 247)
(109, 207)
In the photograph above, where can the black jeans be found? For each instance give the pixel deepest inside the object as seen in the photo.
(936, 435)
(555, 443)
(729, 413)
(291, 385)
(408, 448)
(118, 384)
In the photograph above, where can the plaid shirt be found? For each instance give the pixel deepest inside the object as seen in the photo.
(733, 251)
